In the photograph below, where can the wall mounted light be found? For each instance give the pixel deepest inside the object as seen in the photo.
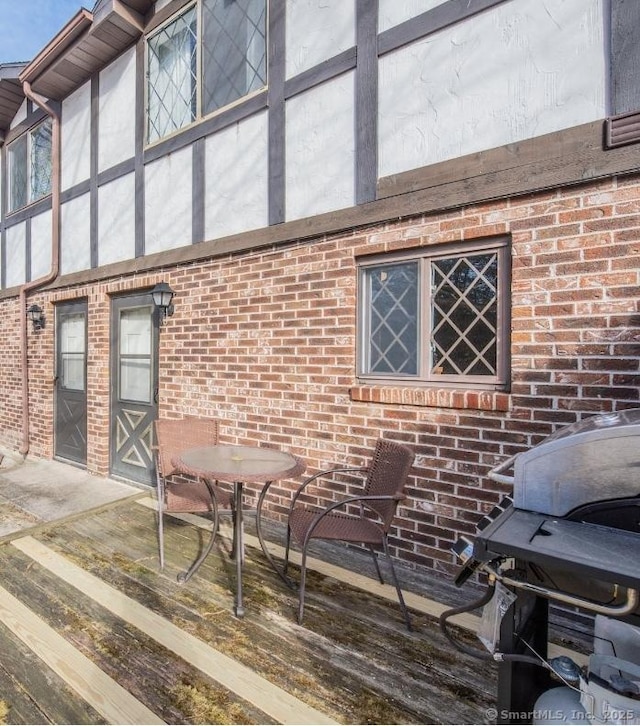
(162, 296)
(36, 316)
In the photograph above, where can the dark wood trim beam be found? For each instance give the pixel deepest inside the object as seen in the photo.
(42, 205)
(140, 120)
(197, 190)
(522, 157)
(577, 158)
(93, 175)
(200, 130)
(325, 71)
(27, 252)
(275, 98)
(115, 172)
(31, 120)
(448, 13)
(163, 15)
(75, 191)
(366, 101)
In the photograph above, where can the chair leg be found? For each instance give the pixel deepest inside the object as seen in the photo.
(160, 499)
(286, 551)
(184, 576)
(403, 606)
(303, 578)
(375, 562)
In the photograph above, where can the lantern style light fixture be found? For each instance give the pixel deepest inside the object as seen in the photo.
(162, 296)
(36, 316)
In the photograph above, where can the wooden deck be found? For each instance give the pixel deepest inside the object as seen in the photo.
(92, 632)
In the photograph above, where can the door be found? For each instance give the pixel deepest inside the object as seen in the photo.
(134, 393)
(70, 403)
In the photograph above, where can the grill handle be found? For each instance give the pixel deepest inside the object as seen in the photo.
(632, 601)
(496, 473)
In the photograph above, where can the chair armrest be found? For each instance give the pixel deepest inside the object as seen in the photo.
(397, 497)
(319, 475)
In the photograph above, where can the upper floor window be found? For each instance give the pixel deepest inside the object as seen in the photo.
(208, 57)
(436, 317)
(30, 166)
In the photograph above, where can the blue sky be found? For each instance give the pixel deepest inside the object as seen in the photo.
(26, 26)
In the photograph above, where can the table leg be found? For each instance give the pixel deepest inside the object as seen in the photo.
(184, 576)
(289, 583)
(239, 549)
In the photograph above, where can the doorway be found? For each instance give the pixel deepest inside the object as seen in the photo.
(134, 393)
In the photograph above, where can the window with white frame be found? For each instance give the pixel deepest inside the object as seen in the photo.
(438, 316)
(209, 56)
(30, 166)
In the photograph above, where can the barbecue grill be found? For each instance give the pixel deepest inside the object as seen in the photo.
(569, 533)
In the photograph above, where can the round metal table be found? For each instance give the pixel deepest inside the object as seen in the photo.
(240, 465)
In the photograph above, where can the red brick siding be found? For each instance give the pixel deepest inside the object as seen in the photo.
(266, 341)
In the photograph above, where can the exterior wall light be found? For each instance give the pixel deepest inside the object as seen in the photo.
(162, 296)
(36, 316)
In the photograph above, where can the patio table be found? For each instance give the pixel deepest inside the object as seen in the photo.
(240, 465)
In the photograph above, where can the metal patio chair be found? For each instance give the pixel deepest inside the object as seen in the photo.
(376, 505)
(175, 492)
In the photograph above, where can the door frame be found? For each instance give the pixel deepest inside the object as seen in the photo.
(132, 300)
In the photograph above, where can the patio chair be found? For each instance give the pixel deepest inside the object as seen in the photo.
(376, 505)
(178, 495)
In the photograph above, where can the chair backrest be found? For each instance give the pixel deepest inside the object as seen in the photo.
(173, 436)
(388, 473)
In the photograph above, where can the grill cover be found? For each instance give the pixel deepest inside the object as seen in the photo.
(589, 461)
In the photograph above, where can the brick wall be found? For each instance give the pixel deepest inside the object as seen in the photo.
(265, 340)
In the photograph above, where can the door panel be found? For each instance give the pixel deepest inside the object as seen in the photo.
(134, 367)
(71, 382)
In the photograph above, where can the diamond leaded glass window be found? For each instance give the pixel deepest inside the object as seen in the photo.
(30, 166)
(172, 76)
(208, 57)
(234, 54)
(436, 318)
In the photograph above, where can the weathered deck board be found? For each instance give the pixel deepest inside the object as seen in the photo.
(23, 674)
(352, 659)
(323, 629)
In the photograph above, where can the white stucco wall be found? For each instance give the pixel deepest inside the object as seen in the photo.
(320, 149)
(168, 184)
(116, 220)
(75, 247)
(117, 111)
(20, 116)
(394, 12)
(520, 70)
(40, 245)
(317, 30)
(76, 137)
(16, 254)
(236, 178)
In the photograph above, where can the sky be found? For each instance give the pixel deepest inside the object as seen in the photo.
(26, 26)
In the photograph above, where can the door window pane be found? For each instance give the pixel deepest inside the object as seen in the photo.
(135, 354)
(72, 351)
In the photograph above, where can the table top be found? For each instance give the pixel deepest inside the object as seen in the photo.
(239, 463)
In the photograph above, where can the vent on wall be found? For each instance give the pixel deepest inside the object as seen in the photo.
(622, 129)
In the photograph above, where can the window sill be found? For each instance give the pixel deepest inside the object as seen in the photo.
(433, 397)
